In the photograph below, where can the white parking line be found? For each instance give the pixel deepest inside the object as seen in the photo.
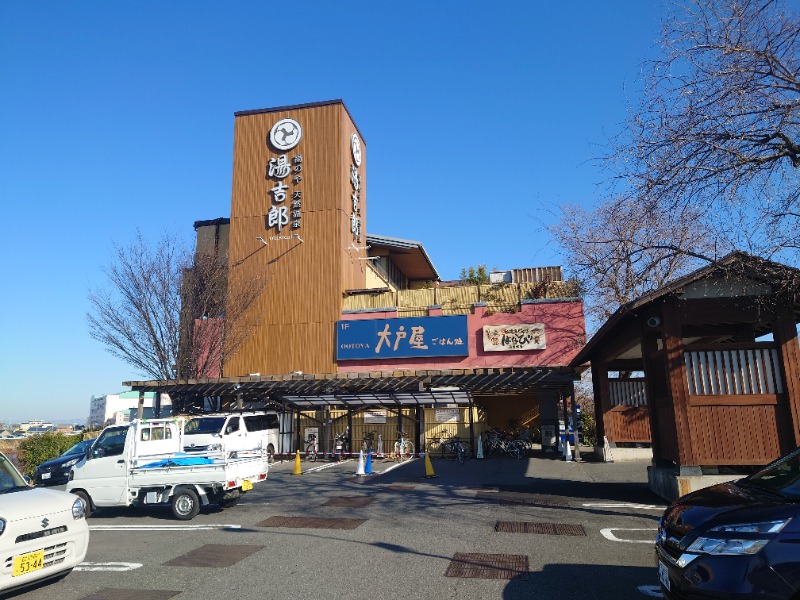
(326, 466)
(107, 566)
(609, 535)
(162, 527)
(625, 505)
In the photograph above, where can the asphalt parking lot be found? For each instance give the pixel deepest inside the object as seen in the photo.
(491, 528)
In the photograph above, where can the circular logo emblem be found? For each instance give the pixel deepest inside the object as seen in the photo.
(355, 146)
(285, 134)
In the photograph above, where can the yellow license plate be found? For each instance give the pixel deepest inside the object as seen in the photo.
(25, 563)
(246, 485)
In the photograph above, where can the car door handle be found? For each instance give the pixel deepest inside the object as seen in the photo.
(120, 462)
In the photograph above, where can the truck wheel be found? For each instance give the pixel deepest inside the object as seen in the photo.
(87, 502)
(185, 504)
(270, 453)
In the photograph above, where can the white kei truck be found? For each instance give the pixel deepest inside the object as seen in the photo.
(143, 463)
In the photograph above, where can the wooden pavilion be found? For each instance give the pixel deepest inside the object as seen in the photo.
(690, 369)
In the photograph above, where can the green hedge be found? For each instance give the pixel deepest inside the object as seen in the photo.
(37, 449)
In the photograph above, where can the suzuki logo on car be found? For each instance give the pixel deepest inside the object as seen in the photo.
(45, 523)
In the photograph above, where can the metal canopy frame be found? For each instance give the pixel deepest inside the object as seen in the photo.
(361, 390)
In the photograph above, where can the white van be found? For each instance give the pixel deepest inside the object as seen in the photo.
(240, 432)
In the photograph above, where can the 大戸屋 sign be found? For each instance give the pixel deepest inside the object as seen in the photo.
(502, 338)
(402, 338)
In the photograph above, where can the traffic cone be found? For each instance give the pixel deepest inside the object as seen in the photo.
(567, 451)
(368, 465)
(298, 468)
(480, 447)
(428, 467)
(360, 469)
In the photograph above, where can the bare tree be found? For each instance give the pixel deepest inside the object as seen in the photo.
(170, 313)
(718, 126)
(620, 250)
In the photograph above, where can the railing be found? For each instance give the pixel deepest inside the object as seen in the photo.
(460, 299)
(628, 392)
(742, 370)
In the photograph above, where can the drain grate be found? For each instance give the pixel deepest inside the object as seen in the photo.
(488, 566)
(513, 498)
(311, 523)
(543, 528)
(214, 555)
(123, 594)
(350, 501)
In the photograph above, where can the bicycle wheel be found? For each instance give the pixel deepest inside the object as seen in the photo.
(434, 449)
(517, 449)
(467, 450)
(449, 450)
(409, 451)
(461, 453)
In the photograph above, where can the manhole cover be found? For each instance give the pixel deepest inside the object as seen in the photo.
(214, 555)
(543, 528)
(488, 566)
(123, 594)
(350, 501)
(310, 523)
(510, 498)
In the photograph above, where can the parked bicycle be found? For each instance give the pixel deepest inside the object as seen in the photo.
(450, 448)
(311, 447)
(403, 448)
(341, 445)
(498, 441)
(370, 438)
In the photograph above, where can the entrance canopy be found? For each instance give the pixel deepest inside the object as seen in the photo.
(362, 390)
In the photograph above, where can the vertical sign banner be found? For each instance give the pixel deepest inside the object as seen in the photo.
(382, 339)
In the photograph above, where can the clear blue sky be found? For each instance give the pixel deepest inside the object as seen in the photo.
(119, 115)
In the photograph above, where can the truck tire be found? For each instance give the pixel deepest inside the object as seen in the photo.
(87, 502)
(270, 454)
(185, 504)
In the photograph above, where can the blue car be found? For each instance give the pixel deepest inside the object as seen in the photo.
(56, 470)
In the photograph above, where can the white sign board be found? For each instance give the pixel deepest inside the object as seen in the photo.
(374, 417)
(447, 415)
(504, 338)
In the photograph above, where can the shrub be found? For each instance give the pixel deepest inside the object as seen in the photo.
(37, 449)
(589, 429)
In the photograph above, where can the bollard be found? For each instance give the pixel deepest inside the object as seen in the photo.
(428, 467)
(298, 468)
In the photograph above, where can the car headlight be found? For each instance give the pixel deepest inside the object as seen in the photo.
(725, 545)
(71, 463)
(213, 447)
(2, 526)
(78, 509)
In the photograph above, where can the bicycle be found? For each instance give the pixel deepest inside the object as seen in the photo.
(366, 443)
(403, 448)
(456, 448)
(311, 448)
(499, 441)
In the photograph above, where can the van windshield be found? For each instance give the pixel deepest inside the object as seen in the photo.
(204, 425)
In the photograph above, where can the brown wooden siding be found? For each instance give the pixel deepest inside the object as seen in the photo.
(304, 279)
(734, 434)
(627, 424)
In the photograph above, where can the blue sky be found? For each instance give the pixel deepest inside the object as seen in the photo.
(119, 115)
